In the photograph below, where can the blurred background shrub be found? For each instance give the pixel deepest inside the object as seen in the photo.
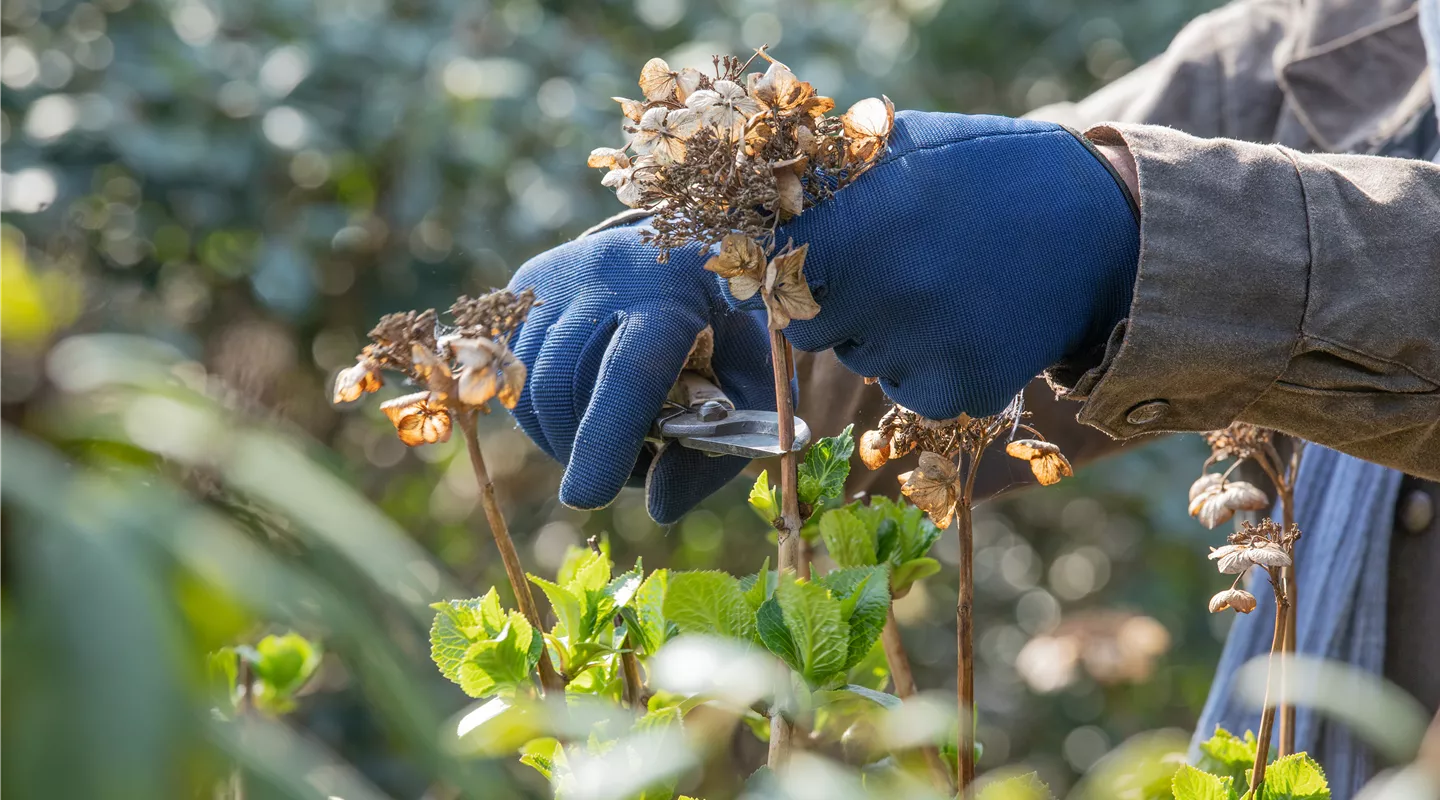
(244, 186)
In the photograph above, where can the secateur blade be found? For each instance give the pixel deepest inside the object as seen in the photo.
(750, 434)
(699, 416)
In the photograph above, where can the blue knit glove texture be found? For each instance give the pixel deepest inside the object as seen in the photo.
(981, 251)
(604, 346)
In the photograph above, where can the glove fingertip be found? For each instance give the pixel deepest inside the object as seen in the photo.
(680, 478)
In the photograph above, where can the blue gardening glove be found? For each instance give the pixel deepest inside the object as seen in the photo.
(604, 347)
(980, 252)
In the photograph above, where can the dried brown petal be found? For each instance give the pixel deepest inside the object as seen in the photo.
(1205, 482)
(1268, 555)
(1236, 599)
(779, 88)
(512, 371)
(874, 449)
(791, 200)
(608, 158)
(867, 125)
(418, 419)
(632, 109)
(1050, 468)
(934, 486)
(1231, 559)
(1209, 507)
(786, 294)
(741, 261)
(1030, 448)
(430, 370)
(657, 80)
(361, 379)
(1243, 496)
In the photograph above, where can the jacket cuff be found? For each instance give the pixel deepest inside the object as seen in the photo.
(1220, 292)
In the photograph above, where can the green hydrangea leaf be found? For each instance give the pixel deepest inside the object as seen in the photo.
(814, 619)
(827, 464)
(1189, 783)
(775, 635)
(850, 542)
(1227, 755)
(1295, 777)
(282, 665)
(765, 499)
(459, 624)
(709, 602)
(569, 609)
(1020, 787)
(864, 595)
(500, 664)
(648, 612)
(591, 574)
(757, 591)
(543, 754)
(907, 574)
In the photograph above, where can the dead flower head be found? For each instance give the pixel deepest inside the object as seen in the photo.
(1240, 440)
(461, 370)
(735, 153)
(934, 486)
(874, 449)
(1265, 544)
(1046, 461)
(418, 419)
(1233, 599)
(1213, 500)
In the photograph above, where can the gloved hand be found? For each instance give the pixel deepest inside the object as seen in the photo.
(980, 252)
(603, 348)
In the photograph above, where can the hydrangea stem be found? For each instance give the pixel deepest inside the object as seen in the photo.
(550, 680)
(965, 632)
(782, 731)
(1267, 717)
(904, 680)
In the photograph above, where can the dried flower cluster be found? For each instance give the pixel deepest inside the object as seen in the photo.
(462, 367)
(723, 159)
(1268, 545)
(1239, 441)
(936, 483)
(1214, 500)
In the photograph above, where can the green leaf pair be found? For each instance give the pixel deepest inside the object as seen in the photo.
(482, 647)
(823, 628)
(882, 532)
(1226, 762)
(280, 667)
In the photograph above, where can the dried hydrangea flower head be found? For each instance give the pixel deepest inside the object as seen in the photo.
(1240, 441)
(1233, 599)
(724, 158)
(1214, 500)
(1267, 545)
(462, 367)
(933, 486)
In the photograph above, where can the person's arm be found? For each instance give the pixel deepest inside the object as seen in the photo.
(1296, 292)
(1215, 78)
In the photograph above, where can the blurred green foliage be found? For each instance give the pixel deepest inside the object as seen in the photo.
(249, 184)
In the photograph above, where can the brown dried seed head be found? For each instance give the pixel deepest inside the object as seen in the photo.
(1236, 599)
(874, 449)
(361, 379)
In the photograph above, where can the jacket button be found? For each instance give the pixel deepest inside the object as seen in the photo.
(1417, 511)
(1147, 412)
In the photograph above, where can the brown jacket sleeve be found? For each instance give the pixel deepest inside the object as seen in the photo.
(1297, 292)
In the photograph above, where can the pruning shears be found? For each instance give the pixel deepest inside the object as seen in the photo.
(698, 415)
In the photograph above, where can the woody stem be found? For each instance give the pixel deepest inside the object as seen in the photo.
(782, 729)
(1267, 717)
(550, 680)
(965, 629)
